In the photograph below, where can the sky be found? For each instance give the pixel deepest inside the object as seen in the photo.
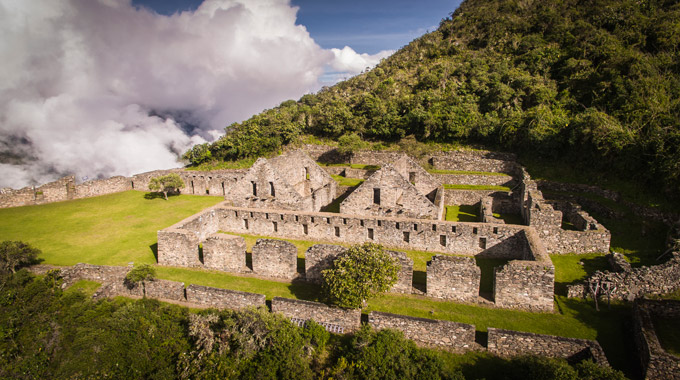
(98, 88)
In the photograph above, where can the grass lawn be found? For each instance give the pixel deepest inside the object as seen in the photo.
(475, 187)
(466, 172)
(569, 270)
(343, 181)
(668, 332)
(462, 213)
(113, 229)
(86, 286)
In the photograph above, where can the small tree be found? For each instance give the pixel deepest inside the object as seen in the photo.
(15, 254)
(361, 272)
(166, 183)
(140, 273)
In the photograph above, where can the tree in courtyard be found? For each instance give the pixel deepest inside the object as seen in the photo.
(361, 272)
(15, 254)
(166, 183)
(140, 274)
(350, 143)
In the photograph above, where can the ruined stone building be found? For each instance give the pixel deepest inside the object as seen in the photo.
(291, 181)
(388, 193)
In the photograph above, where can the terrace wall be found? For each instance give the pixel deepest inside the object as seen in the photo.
(223, 298)
(452, 277)
(509, 343)
(457, 337)
(333, 318)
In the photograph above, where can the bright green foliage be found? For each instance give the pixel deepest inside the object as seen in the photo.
(363, 271)
(140, 273)
(198, 154)
(593, 83)
(15, 254)
(349, 143)
(385, 354)
(166, 183)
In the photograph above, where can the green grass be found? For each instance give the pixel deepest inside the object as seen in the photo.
(87, 287)
(466, 172)
(475, 187)
(244, 163)
(462, 213)
(113, 229)
(568, 269)
(668, 332)
(343, 181)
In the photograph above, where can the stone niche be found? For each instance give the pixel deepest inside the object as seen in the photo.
(453, 277)
(225, 252)
(275, 258)
(320, 257)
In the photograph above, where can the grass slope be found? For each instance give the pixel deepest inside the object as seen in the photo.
(113, 229)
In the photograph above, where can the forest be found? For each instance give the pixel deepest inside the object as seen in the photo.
(593, 83)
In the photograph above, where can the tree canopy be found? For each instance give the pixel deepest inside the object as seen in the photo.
(363, 271)
(15, 254)
(594, 83)
(166, 183)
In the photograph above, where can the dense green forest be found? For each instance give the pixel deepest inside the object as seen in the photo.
(591, 82)
(47, 333)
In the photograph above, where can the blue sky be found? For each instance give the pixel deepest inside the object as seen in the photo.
(367, 26)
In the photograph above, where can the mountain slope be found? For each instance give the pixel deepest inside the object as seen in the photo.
(594, 82)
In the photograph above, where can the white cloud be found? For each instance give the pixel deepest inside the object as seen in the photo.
(348, 60)
(101, 88)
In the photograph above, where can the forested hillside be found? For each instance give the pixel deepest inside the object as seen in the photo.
(596, 83)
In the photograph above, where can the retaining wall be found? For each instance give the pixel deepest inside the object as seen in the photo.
(223, 298)
(454, 278)
(457, 337)
(509, 343)
(333, 318)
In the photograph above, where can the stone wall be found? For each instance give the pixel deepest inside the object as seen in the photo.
(223, 298)
(457, 337)
(509, 343)
(399, 233)
(476, 161)
(452, 277)
(466, 197)
(99, 187)
(178, 248)
(655, 362)
(475, 179)
(404, 282)
(275, 258)
(320, 257)
(98, 273)
(333, 318)
(528, 283)
(634, 283)
(388, 193)
(379, 158)
(225, 252)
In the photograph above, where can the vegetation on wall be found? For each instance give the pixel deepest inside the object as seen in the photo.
(48, 333)
(591, 82)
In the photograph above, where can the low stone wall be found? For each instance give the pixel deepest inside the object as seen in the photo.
(225, 252)
(634, 283)
(369, 157)
(97, 273)
(509, 343)
(275, 258)
(578, 188)
(404, 282)
(178, 248)
(465, 197)
(223, 298)
(454, 278)
(475, 179)
(320, 257)
(333, 318)
(655, 362)
(99, 187)
(476, 161)
(162, 289)
(457, 337)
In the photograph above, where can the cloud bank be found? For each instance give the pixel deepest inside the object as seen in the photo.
(100, 88)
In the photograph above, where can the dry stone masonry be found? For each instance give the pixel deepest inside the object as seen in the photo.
(275, 258)
(655, 362)
(333, 318)
(457, 337)
(223, 298)
(320, 257)
(454, 278)
(225, 252)
(514, 343)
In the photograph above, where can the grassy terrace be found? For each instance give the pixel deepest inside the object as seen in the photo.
(475, 187)
(119, 228)
(466, 172)
(344, 181)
